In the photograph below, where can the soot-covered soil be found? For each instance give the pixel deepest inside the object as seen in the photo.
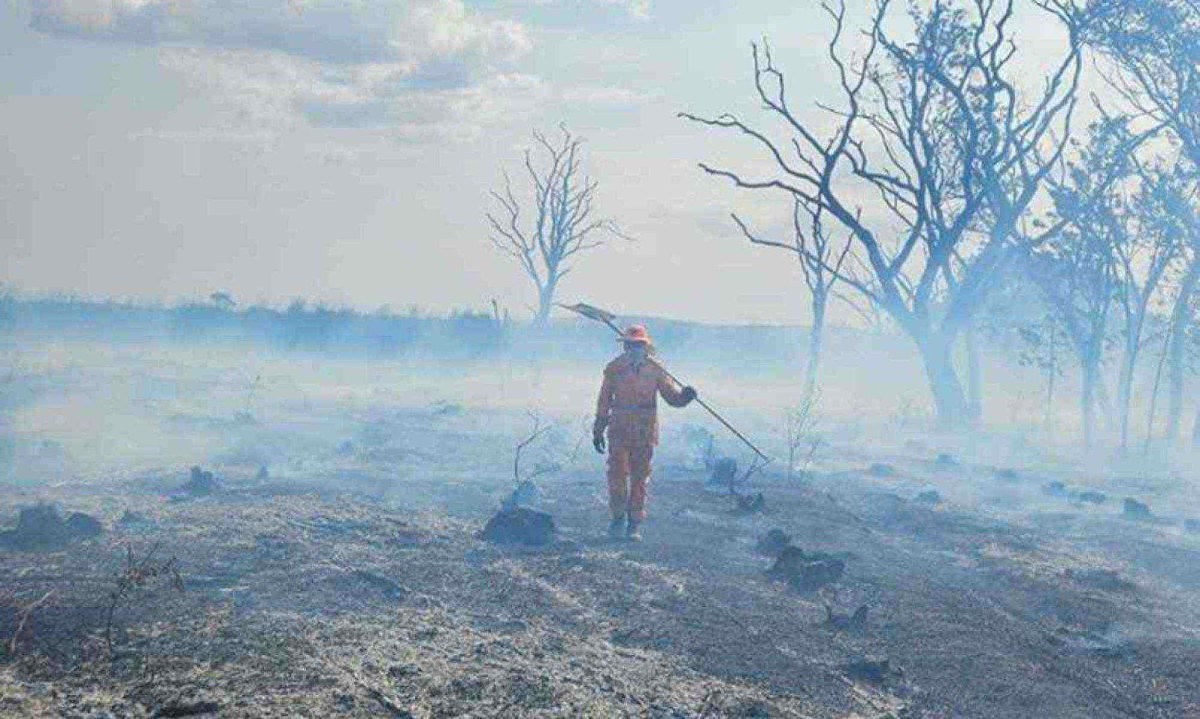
(304, 599)
(330, 564)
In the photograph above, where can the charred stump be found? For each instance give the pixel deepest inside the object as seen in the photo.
(806, 572)
(519, 526)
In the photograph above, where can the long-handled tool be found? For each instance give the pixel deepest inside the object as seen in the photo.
(608, 318)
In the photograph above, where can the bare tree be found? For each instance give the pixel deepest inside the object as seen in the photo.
(937, 132)
(137, 575)
(1078, 279)
(536, 433)
(22, 611)
(1166, 209)
(800, 423)
(562, 221)
(1183, 311)
(1112, 249)
(1153, 49)
(821, 261)
(1145, 253)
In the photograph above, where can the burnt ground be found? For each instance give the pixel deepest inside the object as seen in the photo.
(333, 568)
(307, 602)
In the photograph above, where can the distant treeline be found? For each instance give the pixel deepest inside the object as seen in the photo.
(461, 334)
(299, 327)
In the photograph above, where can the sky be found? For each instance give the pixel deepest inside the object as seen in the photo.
(342, 151)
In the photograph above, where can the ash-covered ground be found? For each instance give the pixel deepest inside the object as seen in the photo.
(330, 565)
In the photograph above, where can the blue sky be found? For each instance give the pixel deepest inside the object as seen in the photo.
(342, 150)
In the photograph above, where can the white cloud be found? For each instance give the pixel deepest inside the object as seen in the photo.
(345, 31)
(330, 62)
(604, 95)
(269, 90)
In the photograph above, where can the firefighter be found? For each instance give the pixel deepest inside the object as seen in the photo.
(627, 411)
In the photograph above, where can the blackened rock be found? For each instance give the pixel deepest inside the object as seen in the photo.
(38, 527)
(881, 470)
(1134, 509)
(1091, 496)
(520, 526)
(773, 542)
(847, 623)
(819, 574)
(791, 562)
(84, 526)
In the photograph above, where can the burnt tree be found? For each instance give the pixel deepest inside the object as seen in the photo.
(1152, 48)
(938, 136)
(561, 223)
(822, 260)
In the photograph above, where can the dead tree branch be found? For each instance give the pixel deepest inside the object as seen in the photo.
(534, 434)
(563, 222)
(136, 575)
(937, 131)
(24, 614)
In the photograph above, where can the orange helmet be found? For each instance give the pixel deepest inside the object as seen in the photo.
(635, 333)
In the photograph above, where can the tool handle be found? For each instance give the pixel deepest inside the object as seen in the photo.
(720, 419)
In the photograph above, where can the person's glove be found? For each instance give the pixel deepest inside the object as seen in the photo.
(689, 395)
(598, 437)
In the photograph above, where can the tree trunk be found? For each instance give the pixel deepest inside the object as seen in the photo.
(816, 336)
(1181, 320)
(1051, 382)
(1103, 401)
(974, 377)
(1125, 386)
(948, 396)
(1158, 372)
(545, 302)
(1087, 396)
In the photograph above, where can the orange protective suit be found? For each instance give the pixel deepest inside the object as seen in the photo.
(628, 410)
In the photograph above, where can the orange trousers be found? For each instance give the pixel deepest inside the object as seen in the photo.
(628, 475)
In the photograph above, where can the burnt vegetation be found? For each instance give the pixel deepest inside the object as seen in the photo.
(363, 521)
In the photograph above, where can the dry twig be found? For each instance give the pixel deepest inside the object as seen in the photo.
(138, 574)
(25, 613)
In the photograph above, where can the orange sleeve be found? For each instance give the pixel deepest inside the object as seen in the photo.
(604, 401)
(669, 390)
